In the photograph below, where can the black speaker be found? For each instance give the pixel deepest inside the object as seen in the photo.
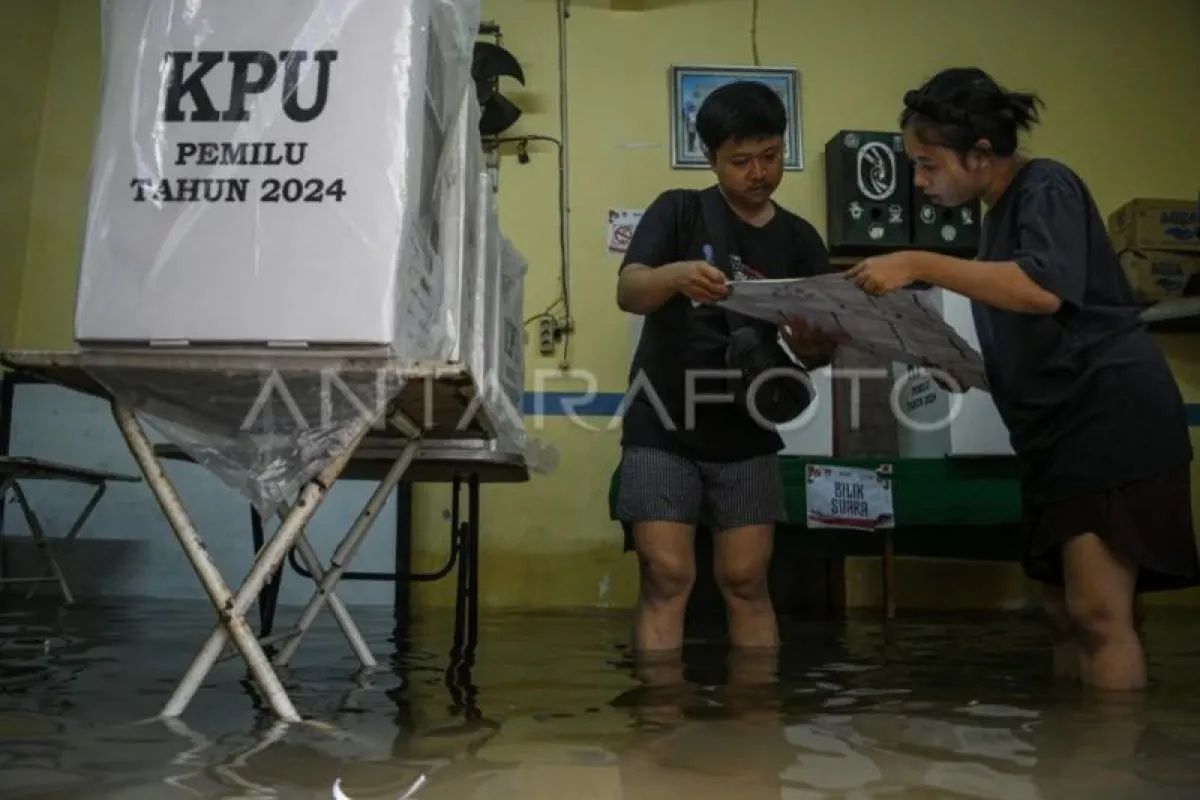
(947, 229)
(867, 180)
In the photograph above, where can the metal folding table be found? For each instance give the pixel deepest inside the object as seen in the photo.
(13, 471)
(436, 399)
(458, 462)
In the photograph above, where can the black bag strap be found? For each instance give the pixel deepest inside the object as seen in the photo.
(789, 401)
(719, 228)
(718, 222)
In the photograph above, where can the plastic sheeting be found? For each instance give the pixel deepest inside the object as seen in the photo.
(266, 172)
(508, 342)
(290, 174)
(263, 428)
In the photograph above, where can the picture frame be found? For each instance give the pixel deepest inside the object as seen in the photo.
(691, 84)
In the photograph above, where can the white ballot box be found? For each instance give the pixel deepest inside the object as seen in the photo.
(265, 172)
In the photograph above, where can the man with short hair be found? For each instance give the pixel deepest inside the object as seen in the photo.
(687, 459)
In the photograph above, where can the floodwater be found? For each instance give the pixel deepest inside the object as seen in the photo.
(959, 706)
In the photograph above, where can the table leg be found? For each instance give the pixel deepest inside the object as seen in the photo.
(4, 484)
(460, 588)
(472, 550)
(889, 575)
(43, 547)
(269, 599)
(346, 550)
(466, 605)
(231, 608)
(340, 613)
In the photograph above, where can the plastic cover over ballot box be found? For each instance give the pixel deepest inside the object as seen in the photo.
(265, 172)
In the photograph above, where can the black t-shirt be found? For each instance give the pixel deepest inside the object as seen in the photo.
(671, 230)
(1087, 396)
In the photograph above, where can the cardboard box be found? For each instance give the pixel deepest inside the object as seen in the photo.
(1149, 224)
(1157, 275)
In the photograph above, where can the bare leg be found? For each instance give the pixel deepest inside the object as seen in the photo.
(1066, 648)
(667, 564)
(1100, 603)
(741, 557)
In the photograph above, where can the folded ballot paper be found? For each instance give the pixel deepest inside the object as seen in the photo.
(901, 326)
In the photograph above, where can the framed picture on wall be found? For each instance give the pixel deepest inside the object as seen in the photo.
(689, 87)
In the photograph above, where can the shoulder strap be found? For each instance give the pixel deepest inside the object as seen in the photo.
(720, 230)
(719, 224)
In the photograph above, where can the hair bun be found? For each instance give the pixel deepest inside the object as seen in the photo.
(942, 111)
(959, 106)
(948, 112)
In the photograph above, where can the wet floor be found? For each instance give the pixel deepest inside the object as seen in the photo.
(945, 706)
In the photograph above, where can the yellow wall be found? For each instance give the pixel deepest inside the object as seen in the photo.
(1119, 80)
(1122, 108)
(25, 41)
(60, 191)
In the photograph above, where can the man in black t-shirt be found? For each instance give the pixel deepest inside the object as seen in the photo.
(688, 457)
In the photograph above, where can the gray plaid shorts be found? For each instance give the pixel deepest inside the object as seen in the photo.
(657, 486)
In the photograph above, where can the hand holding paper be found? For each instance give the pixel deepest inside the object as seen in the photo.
(880, 275)
(700, 282)
(899, 326)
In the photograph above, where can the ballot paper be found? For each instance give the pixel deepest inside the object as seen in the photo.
(900, 326)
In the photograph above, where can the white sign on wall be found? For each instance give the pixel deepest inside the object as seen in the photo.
(849, 497)
(621, 225)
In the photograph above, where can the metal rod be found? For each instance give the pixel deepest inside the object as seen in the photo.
(398, 577)
(265, 564)
(403, 554)
(4, 484)
(210, 577)
(279, 637)
(80, 521)
(357, 643)
(889, 575)
(39, 538)
(87, 512)
(230, 608)
(461, 578)
(406, 426)
(228, 652)
(348, 547)
(563, 10)
(314, 571)
(8, 381)
(270, 594)
(472, 547)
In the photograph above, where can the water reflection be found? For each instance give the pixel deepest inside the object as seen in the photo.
(557, 707)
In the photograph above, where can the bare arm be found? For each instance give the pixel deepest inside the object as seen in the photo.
(643, 290)
(1000, 284)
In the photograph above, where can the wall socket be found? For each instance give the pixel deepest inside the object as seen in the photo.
(547, 335)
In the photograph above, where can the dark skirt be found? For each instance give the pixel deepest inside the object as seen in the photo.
(1148, 522)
